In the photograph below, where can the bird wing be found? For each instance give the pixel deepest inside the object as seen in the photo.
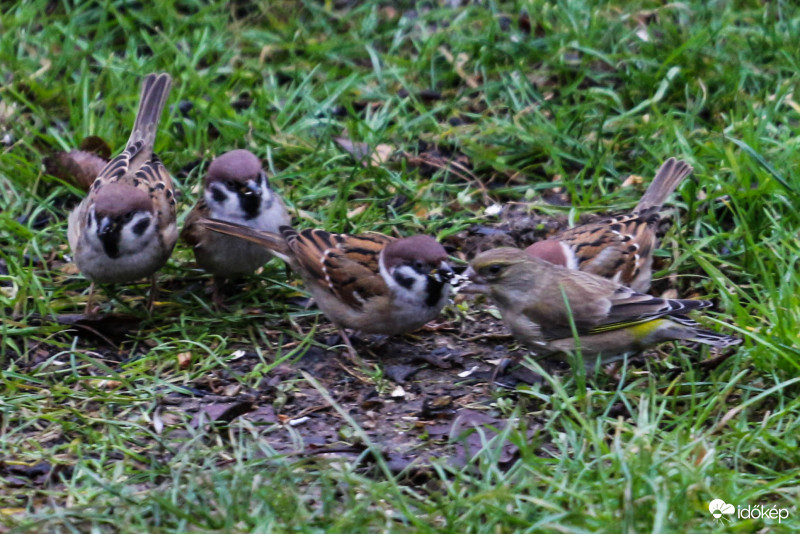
(347, 265)
(192, 233)
(596, 305)
(586, 295)
(629, 307)
(615, 248)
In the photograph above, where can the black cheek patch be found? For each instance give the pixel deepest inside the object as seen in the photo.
(404, 281)
(218, 195)
(141, 226)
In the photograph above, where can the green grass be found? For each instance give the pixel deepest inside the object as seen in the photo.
(580, 98)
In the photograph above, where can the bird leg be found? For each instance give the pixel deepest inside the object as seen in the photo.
(501, 368)
(360, 367)
(88, 309)
(218, 293)
(351, 352)
(151, 299)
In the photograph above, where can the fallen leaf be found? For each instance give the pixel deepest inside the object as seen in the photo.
(670, 294)
(9, 292)
(108, 384)
(358, 150)
(298, 421)
(263, 414)
(70, 269)
(633, 179)
(400, 373)
(465, 374)
(158, 423)
(77, 167)
(358, 210)
(222, 412)
(493, 210)
(184, 359)
(95, 144)
(381, 154)
(362, 152)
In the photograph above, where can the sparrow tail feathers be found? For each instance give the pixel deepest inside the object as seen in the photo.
(667, 179)
(155, 90)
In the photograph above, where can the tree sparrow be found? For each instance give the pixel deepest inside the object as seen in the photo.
(370, 282)
(610, 319)
(125, 228)
(619, 248)
(237, 190)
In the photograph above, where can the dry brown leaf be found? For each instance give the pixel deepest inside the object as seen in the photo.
(631, 180)
(223, 412)
(12, 511)
(730, 414)
(107, 384)
(158, 423)
(458, 63)
(382, 154)
(7, 110)
(363, 153)
(670, 294)
(96, 145)
(356, 149)
(699, 453)
(789, 101)
(184, 359)
(303, 214)
(70, 269)
(358, 210)
(78, 167)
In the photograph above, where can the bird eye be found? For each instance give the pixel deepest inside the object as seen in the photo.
(128, 216)
(495, 268)
(231, 184)
(418, 265)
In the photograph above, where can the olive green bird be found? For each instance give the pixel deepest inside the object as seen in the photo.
(611, 320)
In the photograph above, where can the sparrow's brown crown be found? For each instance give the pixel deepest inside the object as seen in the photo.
(236, 165)
(116, 199)
(415, 248)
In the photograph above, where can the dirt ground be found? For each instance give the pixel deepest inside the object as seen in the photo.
(437, 385)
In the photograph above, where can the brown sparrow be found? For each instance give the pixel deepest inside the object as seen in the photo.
(619, 248)
(236, 190)
(370, 282)
(125, 228)
(610, 319)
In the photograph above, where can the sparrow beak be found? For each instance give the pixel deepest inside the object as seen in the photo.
(443, 273)
(475, 283)
(250, 188)
(107, 226)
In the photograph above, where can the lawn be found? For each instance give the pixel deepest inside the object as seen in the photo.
(476, 122)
